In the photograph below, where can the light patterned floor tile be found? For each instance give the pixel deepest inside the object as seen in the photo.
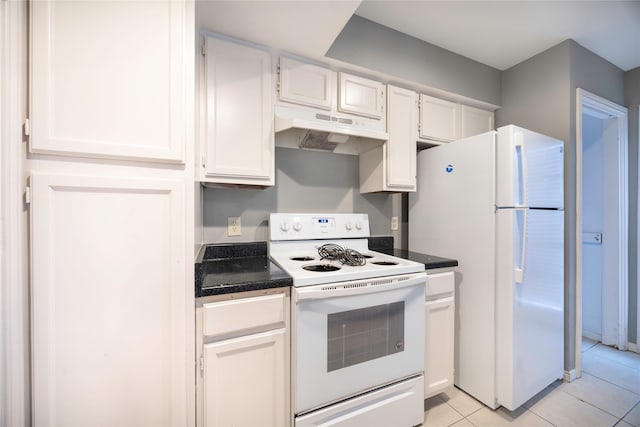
(461, 401)
(627, 358)
(633, 417)
(623, 423)
(437, 413)
(602, 394)
(588, 343)
(486, 417)
(463, 423)
(607, 369)
(564, 410)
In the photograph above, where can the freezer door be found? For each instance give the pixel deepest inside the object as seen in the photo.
(529, 169)
(529, 303)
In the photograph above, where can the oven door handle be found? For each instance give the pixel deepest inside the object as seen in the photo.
(359, 287)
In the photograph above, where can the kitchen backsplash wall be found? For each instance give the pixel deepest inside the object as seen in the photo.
(306, 181)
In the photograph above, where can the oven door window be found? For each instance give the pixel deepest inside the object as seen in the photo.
(357, 336)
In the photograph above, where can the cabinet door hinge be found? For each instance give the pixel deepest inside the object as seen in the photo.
(203, 48)
(27, 195)
(27, 127)
(201, 364)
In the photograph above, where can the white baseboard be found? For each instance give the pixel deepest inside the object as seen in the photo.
(569, 376)
(633, 347)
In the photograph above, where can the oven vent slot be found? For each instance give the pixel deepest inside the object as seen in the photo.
(372, 283)
(356, 285)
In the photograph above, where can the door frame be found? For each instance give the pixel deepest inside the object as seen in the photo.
(587, 100)
(14, 364)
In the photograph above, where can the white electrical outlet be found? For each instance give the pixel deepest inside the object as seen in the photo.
(394, 222)
(233, 226)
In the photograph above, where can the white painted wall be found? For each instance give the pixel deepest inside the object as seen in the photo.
(592, 222)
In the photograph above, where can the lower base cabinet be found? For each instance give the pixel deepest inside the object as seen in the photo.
(439, 332)
(244, 360)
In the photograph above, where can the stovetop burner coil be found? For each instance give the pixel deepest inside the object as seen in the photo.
(346, 256)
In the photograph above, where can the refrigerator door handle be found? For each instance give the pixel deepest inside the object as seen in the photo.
(519, 271)
(522, 169)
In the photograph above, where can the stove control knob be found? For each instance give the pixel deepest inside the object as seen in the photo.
(349, 225)
(284, 226)
(297, 226)
(359, 225)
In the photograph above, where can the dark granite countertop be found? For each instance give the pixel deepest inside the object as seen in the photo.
(236, 267)
(384, 244)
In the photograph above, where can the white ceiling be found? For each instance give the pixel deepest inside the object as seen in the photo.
(307, 28)
(496, 33)
(504, 33)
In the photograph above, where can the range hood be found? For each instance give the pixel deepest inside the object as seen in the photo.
(325, 130)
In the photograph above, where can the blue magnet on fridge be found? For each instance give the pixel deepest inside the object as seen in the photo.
(449, 168)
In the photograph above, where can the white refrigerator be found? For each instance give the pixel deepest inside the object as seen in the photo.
(494, 202)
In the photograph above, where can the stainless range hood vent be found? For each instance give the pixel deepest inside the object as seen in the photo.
(318, 140)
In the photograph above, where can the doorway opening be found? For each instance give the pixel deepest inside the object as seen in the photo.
(602, 223)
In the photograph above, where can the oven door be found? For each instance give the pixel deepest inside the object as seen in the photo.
(351, 337)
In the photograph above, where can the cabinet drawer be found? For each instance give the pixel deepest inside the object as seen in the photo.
(252, 314)
(440, 284)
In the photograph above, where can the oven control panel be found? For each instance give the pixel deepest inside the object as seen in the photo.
(288, 226)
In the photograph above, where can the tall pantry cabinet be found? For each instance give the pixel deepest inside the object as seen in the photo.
(111, 208)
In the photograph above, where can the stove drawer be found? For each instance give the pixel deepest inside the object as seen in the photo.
(245, 315)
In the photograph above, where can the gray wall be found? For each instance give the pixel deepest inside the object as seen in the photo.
(540, 94)
(632, 99)
(535, 95)
(374, 46)
(306, 181)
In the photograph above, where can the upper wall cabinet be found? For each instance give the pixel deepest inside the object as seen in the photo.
(445, 121)
(361, 96)
(391, 167)
(306, 84)
(474, 121)
(100, 91)
(438, 119)
(237, 144)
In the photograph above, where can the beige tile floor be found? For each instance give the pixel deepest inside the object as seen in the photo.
(608, 394)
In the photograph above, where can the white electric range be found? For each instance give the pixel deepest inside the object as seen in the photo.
(357, 323)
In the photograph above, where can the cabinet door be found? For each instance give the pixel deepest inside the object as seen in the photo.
(438, 119)
(109, 302)
(246, 381)
(361, 96)
(475, 120)
(108, 79)
(439, 341)
(402, 147)
(238, 144)
(307, 84)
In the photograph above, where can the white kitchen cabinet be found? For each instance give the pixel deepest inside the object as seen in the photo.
(109, 303)
(109, 79)
(245, 364)
(439, 332)
(439, 119)
(361, 96)
(446, 121)
(306, 84)
(237, 139)
(474, 121)
(392, 166)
